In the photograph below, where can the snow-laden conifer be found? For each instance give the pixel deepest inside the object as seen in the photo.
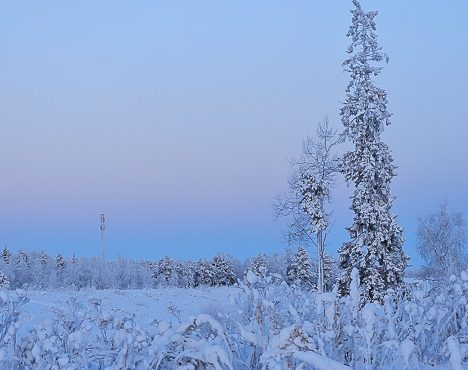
(60, 262)
(375, 248)
(4, 282)
(300, 270)
(256, 270)
(223, 270)
(165, 270)
(6, 255)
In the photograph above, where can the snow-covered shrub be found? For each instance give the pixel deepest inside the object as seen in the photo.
(124, 343)
(4, 282)
(10, 305)
(78, 338)
(431, 318)
(410, 329)
(199, 343)
(256, 271)
(58, 343)
(269, 315)
(279, 327)
(270, 325)
(92, 337)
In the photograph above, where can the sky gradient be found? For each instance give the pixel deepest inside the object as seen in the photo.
(176, 118)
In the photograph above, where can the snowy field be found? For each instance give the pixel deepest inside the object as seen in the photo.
(147, 305)
(260, 324)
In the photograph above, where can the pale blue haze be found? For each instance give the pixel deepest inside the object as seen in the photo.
(176, 118)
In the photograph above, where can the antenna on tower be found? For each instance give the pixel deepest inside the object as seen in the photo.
(103, 228)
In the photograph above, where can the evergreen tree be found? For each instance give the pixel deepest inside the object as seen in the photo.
(23, 259)
(375, 249)
(329, 272)
(223, 270)
(256, 269)
(165, 270)
(44, 258)
(193, 273)
(178, 274)
(21, 274)
(152, 268)
(60, 262)
(6, 255)
(300, 270)
(74, 260)
(4, 282)
(207, 273)
(188, 274)
(201, 273)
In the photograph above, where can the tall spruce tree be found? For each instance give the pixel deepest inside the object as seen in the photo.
(375, 249)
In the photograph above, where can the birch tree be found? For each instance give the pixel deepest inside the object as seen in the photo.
(305, 203)
(441, 239)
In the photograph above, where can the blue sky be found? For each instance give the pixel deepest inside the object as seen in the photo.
(176, 118)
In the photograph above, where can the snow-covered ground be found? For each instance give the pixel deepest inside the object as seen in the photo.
(147, 305)
(262, 324)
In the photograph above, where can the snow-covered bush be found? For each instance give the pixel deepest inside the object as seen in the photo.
(4, 282)
(10, 309)
(58, 343)
(94, 338)
(281, 326)
(269, 325)
(257, 270)
(199, 343)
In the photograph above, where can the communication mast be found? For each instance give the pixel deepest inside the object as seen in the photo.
(103, 228)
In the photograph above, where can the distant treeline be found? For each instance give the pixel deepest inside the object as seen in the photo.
(38, 270)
